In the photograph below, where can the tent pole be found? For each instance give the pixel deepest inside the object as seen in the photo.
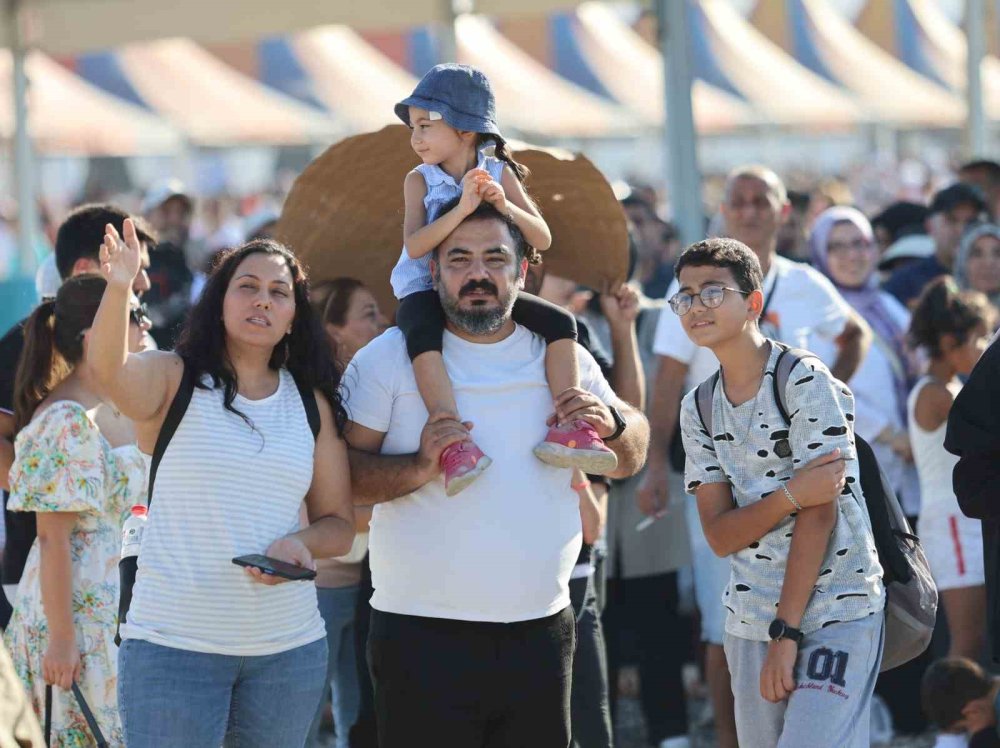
(975, 33)
(24, 157)
(680, 139)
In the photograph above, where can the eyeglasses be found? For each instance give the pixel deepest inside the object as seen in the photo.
(139, 315)
(711, 298)
(858, 245)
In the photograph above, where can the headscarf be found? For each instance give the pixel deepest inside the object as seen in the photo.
(867, 299)
(960, 269)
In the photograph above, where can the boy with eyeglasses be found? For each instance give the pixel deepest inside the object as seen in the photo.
(782, 499)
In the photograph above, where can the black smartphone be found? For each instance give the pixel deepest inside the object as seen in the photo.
(275, 567)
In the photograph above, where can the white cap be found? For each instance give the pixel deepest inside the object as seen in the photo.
(47, 278)
(915, 246)
(162, 191)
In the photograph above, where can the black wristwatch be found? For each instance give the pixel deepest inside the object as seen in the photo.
(779, 630)
(620, 424)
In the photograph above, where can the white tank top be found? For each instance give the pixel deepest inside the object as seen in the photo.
(934, 463)
(225, 490)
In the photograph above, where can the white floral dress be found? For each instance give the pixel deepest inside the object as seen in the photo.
(64, 464)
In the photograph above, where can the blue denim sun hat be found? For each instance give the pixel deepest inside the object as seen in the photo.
(460, 93)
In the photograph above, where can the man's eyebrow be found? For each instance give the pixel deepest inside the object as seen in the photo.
(710, 282)
(458, 250)
(501, 249)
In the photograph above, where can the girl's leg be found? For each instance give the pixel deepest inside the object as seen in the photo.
(275, 698)
(574, 443)
(421, 319)
(965, 609)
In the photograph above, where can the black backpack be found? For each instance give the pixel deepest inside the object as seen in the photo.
(912, 597)
(178, 407)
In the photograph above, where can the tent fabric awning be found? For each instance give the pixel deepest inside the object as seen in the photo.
(341, 71)
(825, 42)
(68, 116)
(732, 54)
(594, 41)
(209, 102)
(530, 97)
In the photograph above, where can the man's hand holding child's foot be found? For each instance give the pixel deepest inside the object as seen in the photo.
(574, 438)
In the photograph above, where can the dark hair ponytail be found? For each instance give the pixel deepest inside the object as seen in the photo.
(53, 342)
(503, 152)
(942, 310)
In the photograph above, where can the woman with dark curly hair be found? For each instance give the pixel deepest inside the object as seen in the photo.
(212, 651)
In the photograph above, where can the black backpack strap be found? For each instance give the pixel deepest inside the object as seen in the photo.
(788, 359)
(173, 419)
(308, 395)
(703, 397)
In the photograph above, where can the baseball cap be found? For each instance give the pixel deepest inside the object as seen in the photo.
(162, 191)
(957, 194)
(912, 247)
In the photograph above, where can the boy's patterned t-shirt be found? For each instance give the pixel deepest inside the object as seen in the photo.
(754, 451)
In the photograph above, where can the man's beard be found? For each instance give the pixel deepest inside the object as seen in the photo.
(484, 320)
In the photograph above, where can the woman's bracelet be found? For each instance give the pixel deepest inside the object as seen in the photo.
(581, 485)
(791, 498)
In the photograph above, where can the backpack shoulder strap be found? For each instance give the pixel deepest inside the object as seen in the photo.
(178, 407)
(703, 397)
(788, 359)
(308, 396)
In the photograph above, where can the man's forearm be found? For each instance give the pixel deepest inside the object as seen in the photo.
(627, 377)
(810, 538)
(853, 346)
(633, 445)
(377, 478)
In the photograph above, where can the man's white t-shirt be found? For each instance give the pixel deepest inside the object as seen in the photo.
(804, 310)
(503, 549)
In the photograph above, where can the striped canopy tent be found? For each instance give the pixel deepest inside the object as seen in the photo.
(68, 116)
(335, 69)
(825, 42)
(212, 104)
(732, 55)
(594, 48)
(531, 98)
(924, 38)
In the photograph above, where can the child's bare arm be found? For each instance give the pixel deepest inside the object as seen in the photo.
(810, 538)
(524, 212)
(729, 528)
(419, 239)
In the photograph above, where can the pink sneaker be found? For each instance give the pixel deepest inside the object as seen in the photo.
(462, 464)
(577, 445)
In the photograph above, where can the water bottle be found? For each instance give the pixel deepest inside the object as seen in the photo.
(127, 565)
(132, 531)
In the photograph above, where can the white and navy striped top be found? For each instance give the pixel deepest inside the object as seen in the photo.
(224, 490)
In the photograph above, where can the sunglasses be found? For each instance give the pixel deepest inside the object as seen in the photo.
(711, 298)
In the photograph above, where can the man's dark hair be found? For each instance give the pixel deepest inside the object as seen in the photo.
(948, 685)
(486, 212)
(81, 234)
(724, 253)
(990, 168)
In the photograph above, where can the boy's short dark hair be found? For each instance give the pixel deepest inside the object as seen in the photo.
(486, 212)
(948, 685)
(81, 234)
(724, 253)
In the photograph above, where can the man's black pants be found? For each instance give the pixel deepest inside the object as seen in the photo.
(461, 684)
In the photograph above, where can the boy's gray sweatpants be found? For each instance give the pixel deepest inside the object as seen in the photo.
(834, 676)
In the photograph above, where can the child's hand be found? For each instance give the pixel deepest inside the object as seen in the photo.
(471, 197)
(777, 681)
(820, 480)
(493, 193)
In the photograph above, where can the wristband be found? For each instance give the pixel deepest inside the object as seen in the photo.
(581, 485)
(791, 498)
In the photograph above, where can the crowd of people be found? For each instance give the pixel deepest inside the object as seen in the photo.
(516, 506)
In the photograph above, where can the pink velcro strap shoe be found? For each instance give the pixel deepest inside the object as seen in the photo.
(462, 464)
(577, 445)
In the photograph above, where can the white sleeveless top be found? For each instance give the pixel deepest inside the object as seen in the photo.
(224, 490)
(413, 275)
(934, 463)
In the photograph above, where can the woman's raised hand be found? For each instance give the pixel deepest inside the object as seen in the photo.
(121, 259)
